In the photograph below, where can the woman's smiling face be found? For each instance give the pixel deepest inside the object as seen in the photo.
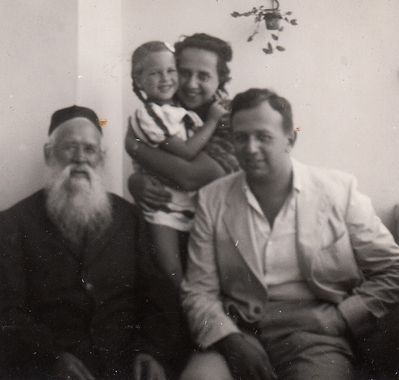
(198, 76)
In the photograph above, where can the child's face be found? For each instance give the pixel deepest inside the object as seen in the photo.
(159, 77)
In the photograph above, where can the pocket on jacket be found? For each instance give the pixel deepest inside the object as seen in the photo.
(335, 262)
(332, 232)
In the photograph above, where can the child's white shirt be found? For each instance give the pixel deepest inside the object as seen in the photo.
(171, 122)
(167, 121)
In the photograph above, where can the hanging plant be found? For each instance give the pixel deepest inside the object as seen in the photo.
(272, 18)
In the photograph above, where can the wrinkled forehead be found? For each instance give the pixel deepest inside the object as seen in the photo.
(77, 130)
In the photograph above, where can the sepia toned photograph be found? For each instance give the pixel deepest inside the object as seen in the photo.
(199, 189)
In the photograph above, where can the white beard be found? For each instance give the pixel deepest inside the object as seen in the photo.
(78, 206)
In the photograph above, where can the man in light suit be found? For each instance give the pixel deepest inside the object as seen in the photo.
(287, 263)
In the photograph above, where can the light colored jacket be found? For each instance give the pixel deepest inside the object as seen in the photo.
(345, 253)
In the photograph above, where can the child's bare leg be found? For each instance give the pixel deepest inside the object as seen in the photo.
(166, 242)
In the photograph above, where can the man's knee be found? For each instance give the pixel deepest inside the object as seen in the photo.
(208, 365)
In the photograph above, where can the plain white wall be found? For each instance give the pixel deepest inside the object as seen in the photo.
(38, 45)
(100, 77)
(340, 71)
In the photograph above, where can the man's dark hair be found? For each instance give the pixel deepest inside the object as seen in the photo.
(255, 96)
(206, 42)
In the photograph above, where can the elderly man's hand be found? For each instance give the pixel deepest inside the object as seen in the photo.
(147, 190)
(68, 366)
(246, 360)
(145, 367)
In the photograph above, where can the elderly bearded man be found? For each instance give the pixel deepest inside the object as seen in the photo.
(68, 289)
(286, 261)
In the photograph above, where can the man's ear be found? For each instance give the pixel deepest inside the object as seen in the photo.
(47, 153)
(103, 155)
(292, 139)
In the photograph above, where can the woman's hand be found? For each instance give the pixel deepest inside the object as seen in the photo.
(148, 191)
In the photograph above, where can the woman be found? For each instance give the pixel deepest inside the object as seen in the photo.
(202, 68)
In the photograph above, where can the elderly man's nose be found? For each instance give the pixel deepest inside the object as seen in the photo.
(79, 154)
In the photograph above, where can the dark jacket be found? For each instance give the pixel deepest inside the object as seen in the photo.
(54, 298)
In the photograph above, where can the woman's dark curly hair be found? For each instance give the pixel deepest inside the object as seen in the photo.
(206, 42)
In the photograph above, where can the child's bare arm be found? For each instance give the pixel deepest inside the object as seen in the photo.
(189, 149)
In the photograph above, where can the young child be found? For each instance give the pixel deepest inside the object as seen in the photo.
(161, 122)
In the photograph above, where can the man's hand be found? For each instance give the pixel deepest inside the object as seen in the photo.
(246, 360)
(147, 190)
(145, 367)
(333, 322)
(68, 366)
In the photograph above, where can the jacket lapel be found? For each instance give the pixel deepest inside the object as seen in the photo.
(310, 209)
(236, 221)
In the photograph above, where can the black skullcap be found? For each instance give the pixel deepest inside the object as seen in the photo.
(68, 113)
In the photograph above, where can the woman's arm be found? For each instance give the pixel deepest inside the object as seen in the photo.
(188, 175)
(148, 190)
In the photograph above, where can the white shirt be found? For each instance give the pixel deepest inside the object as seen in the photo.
(275, 248)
